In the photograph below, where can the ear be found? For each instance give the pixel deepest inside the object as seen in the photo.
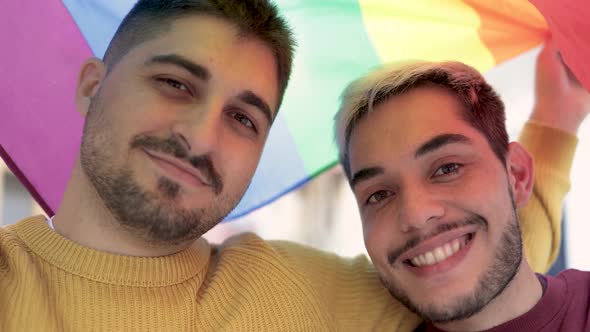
(520, 168)
(92, 74)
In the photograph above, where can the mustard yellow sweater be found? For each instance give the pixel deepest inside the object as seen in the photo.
(48, 283)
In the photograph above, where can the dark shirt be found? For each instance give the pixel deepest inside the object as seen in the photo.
(564, 306)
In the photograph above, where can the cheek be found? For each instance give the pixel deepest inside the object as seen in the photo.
(501, 217)
(378, 237)
(137, 109)
(126, 121)
(479, 195)
(239, 157)
(490, 200)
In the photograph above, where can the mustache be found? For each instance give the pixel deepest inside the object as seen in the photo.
(173, 147)
(394, 255)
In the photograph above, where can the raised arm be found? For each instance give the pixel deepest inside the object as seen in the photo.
(561, 105)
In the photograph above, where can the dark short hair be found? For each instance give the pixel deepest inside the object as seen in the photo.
(482, 107)
(253, 18)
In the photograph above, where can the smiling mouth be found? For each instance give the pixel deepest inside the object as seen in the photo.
(177, 171)
(440, 253)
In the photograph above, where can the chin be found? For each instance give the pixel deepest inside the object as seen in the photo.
(447, 293)
(443, 299)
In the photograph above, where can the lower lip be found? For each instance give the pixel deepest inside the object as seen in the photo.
(444, 266)
(179, 174)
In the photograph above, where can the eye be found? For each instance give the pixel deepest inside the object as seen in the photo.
(174, 86)
(379, 196)
(243, 120)
(447, 169)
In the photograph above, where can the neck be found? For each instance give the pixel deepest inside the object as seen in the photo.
(83, 218)
(521, 295)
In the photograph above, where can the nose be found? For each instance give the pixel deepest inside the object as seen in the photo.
(199, 129)
(419, 207)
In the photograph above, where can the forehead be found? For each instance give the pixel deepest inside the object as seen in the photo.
(199, 34)
(397, 127)
(218, 45)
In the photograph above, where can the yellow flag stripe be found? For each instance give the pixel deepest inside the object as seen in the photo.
(426, 30)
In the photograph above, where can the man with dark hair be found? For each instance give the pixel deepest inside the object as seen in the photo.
(175, 121)
(438, 186)
(253, 19)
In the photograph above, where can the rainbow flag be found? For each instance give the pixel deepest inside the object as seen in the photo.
(570, 30)
(45, 42)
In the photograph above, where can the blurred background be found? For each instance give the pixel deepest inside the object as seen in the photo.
(323, 212)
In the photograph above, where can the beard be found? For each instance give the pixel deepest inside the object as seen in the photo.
(153, 216)
(495, 279)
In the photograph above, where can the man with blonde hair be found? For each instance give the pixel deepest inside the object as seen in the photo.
(438, 184)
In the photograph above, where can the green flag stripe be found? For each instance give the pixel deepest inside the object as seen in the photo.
(334, 48)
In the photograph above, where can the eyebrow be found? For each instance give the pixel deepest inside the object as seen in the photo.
(431, 145)
(365, 174)
(252, 99)
(195, 69)
(439, 141)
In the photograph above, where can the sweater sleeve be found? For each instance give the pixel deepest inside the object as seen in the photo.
(553, 153)
(349, 288)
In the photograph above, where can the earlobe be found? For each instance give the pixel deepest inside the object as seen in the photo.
(92, 73)
(521, 173)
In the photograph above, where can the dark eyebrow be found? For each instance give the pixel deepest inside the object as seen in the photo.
(365, 174)
(251, 98)
(439, 141)
(195, 69)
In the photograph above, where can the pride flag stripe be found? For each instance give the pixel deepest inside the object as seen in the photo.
(39, 68)
(509, 28)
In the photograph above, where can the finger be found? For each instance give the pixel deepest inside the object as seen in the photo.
(549, 53)
(570, 74)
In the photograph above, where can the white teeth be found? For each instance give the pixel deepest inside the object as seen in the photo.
(439, 254)
(430, 259)
(456, 245)
(416, 261)
(448, 249)
(422, 259)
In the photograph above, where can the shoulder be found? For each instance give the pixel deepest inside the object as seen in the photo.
(10, 241)
(576, 289)
(348, 287)
(14, 252)
(311, 259)
(318, 270)
(574, 283)
(575, 278)
(297, 257)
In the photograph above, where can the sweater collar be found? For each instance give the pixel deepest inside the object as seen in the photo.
(111, 268)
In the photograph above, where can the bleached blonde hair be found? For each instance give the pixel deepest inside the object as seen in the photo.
(483, 108)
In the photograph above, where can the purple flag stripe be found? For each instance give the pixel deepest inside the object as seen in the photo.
(39, 127)
(23, 179)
